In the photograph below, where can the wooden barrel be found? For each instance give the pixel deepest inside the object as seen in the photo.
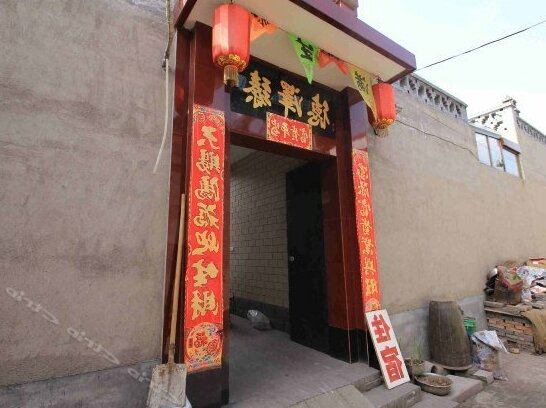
(448, 340)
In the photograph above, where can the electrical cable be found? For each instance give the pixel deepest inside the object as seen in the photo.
(167, 116)
(481, 46)
(165, 65)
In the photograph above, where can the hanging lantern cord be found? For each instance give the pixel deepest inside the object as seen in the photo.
(170, 33)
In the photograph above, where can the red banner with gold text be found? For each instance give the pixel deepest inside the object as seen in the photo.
(288, 131)
(203, 312)
(371, 290)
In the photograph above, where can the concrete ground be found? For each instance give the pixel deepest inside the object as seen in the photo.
(268, 370)
(525, 388)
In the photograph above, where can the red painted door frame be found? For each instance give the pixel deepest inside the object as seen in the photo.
(198, 81)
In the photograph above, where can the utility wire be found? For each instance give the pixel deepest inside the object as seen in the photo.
(483, 45)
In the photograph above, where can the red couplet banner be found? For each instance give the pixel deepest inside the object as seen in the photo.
(203, 312)
(371, 291)
(288, 131)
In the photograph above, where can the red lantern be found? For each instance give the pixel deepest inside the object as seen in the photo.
(231, 40)
(383, 94)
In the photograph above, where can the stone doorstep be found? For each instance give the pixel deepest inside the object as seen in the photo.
(369, 382)
(349, 396)
(485, 376)
(403, 396)
(463, 388)
(408, 395)
(434, 401)
(344, 397)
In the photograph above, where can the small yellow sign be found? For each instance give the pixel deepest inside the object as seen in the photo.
(363, 83)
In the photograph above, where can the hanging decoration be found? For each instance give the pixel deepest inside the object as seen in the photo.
(259, 26)
(369, 275)
(231, 40)
(234, 29)
(383, 94)
(307, 53)
(363, 83)
(204, 304)
(326, 58)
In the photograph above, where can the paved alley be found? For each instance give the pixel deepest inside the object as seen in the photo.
(525, 387)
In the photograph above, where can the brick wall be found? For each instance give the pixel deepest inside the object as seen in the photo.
(259, 260)
(516, 330)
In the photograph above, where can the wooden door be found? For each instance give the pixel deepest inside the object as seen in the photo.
(306, 265)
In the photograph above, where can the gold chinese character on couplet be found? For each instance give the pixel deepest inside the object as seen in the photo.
(208, 133)
(207, 216)
(204, 302)
(202, 273)
(207, 242)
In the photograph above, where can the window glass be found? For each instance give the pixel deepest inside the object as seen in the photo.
(496, 154)
(511, 162)
(483, 149)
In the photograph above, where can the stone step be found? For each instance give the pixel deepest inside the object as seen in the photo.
(369, 382)
(463, 388)
(344, 397)
(434, 401)
(486, 377)
(403, 396)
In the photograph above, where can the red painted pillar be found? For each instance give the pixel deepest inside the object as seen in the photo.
(197, 82)
(352, 134)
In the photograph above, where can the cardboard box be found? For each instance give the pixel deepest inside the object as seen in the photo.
(537, 262)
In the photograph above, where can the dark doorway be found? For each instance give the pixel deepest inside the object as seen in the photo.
(306, 261)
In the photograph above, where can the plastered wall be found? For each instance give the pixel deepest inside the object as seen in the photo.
(442, 218)
(82, 218)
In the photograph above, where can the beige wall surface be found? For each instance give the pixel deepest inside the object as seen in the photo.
(442, 218)
(259, 260)
(82, 218)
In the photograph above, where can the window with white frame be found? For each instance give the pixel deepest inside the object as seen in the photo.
(493, 152)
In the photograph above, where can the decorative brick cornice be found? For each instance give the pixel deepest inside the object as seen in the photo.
(431, 95)
(530, 130)
(505, 119)
(491, 120)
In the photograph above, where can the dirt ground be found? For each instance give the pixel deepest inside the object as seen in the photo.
(525, 388)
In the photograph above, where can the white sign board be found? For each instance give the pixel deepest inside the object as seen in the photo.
(386, 347)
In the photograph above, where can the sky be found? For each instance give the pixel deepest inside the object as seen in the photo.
(436, 29)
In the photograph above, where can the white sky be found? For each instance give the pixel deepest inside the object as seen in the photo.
(435, 29)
